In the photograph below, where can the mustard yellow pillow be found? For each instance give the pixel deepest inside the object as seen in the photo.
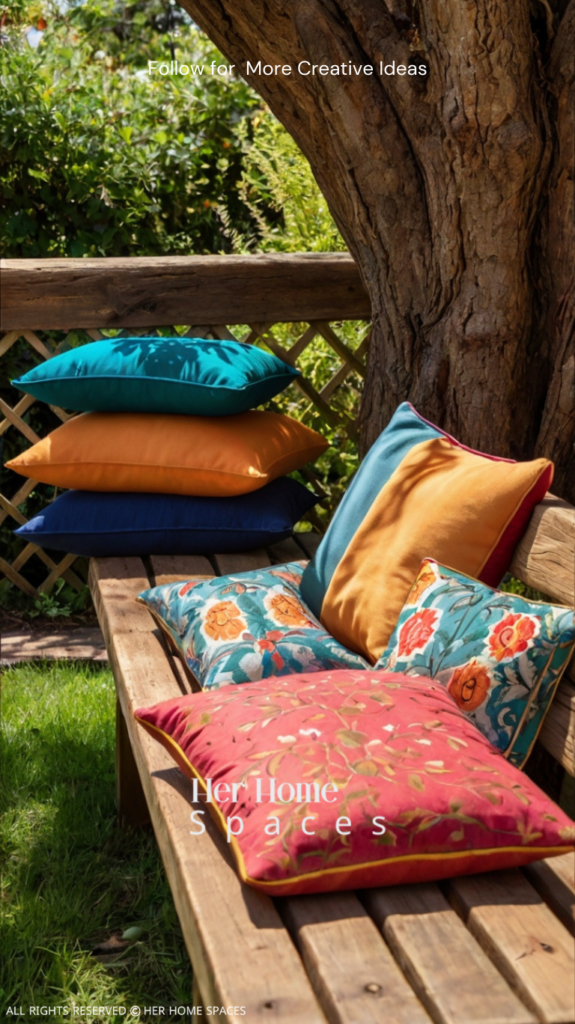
(202, 455)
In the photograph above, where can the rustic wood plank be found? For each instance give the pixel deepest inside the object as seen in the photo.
(554, 880)
(151, 291)
(176, 568)
(351, 969)
(545, 557)
(116, 583)
(241, 953)
(558, 730)
(527, 943)
(446, 967)
(287, 550)
(186, 679)
(244, 561)
(309, 542)
(542, 768)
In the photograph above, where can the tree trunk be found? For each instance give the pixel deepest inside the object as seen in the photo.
(454, 193)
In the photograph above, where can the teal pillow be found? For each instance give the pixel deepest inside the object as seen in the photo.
(245, 627)
(194, 376)
(499, 656)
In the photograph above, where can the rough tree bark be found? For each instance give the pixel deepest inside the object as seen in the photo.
(455, 195)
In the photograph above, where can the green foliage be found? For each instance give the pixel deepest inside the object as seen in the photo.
(62, 602)
(70, 878)
(277, 176)
(98, 158)
(511, 585)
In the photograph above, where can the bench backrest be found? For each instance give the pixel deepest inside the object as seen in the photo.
(545, 560)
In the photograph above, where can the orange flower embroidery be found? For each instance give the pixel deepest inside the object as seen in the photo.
(424, 580)
(288, 611)
(416, 632)
(512, 635)
(469, 686)
(224, 621)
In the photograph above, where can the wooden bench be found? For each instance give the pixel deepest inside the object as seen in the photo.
(494, 948)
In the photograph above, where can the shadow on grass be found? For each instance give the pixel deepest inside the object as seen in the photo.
(70, 878)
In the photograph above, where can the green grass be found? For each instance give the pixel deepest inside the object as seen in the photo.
(70, 878)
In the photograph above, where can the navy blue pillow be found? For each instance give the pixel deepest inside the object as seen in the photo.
(99, 523)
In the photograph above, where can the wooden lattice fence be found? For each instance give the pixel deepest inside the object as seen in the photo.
(301, 305)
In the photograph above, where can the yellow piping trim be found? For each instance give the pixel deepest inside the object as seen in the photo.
(544, 851)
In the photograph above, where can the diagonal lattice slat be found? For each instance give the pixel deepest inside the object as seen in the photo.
(289, 342)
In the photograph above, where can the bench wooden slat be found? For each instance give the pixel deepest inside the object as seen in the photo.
(244, 561)
(554, 880)
(351, 969)
(286, 551)
(309, 542)
(173, 568)
(447, 968)
(545, 557)
(558, 731)
(115, 583)
(528, 944)
(241, 953)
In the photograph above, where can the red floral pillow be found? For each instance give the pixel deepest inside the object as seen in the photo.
(349, 779)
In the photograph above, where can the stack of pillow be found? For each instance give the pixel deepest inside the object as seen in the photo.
(169, 455)
(408, 769)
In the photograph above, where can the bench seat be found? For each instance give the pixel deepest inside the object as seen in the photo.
(488, 949)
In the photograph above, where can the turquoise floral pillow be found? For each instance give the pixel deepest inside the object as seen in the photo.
(499, 656)
(245, 627)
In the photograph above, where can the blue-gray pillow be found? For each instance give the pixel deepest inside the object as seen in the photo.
(194, 376)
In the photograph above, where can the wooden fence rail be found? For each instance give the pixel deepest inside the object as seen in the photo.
(45, 303)
(155, 292)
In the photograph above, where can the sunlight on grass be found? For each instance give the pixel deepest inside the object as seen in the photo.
(70, 878)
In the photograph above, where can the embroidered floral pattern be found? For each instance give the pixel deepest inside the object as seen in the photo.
(499, 656)
(223, 621)
(387, 747)
(288, 611)
(469, 685)
(249, 626)
(512, 635)
(416, 632)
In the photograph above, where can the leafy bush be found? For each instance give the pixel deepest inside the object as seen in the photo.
(276, 176)
(98, 158)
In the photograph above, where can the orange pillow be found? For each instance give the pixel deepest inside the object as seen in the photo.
(216, 456)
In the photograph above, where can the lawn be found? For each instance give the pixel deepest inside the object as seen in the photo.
(72, 883)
